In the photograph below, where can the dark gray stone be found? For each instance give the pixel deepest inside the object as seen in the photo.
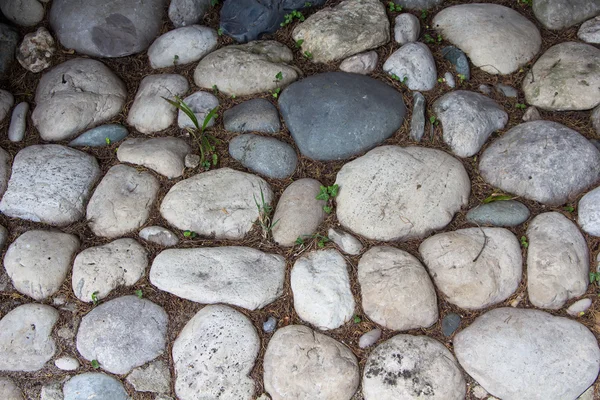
(97, 137)
(336, 115)
(450, 324)
(8, 44)
(499, 213)
(264, 155)
(256, 115)
(247, 20)
(187, 12)
(458, 59)
(417, 122)
(94, 385)
(115, 28)
(418, 4)
(507, 90)
(270, 324)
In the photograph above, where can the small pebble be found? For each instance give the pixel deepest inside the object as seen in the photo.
(485, 89)
(417, 122)
(532, 114)
(459, 59)
(369, 338)
(18, 122)
(450, 324)
(159, 235)
(269, 325)
(66, 363)
(515, 302)
(52, 391)
(505, 213)
(450, 81)
(59, 300)
(479, 392)
(192, 160)
(580, 306)
(406, 28)
(345, 241)
(507, 90)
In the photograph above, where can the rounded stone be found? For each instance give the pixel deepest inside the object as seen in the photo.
(396, 291)
(396, 193)
(298, 213)
(579, 307)
(588, 212)
(123, 333)
(38, 262)
(214, 355)
(165, 155)
(413, 64)
(23, 12)
(321, 287)
(345, 241)
(264, 155)
(36, 50)
(450, 323)
(304, 364)
(94, 385)
(406, 28)
(154, 377)
(589, 31)
(18, 122)
(101, 136)
(363, 63)
(369, 339)
(187, 12)
(411, 367)
(159, 235)
(182, 46)
(507, 213)
(528, 354)
(201, 104)
(99, 270)
(542, 161)
(256, 115)
(66, 363)
(560, 14)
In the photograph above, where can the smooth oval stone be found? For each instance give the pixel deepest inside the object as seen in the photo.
(450, 324)
(93, 385)
(100, 136)
(257, 115)
(264, 155)
(270, 324)
(369, 338)
(560, 14)
(499, 213)
(18, 122)
(459, 59)
(336, 115)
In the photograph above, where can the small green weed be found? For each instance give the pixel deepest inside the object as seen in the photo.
(321, 240)
(299, 43)
(220, 31)
(214, 2)
(594, 277)
(520, 106)
(524, 242)
(461, 78)
(289, 18)
(189, 234)
(95, 300)
(525, 2)
(326, 193)
(215, 90)
(430, 39)
(308, 54)
(307, 4)
(393, 7)
(433, 120)
(175, 59)
(107, 140)
(264, 215)
(95, 364)
(497, 197)
(139, 293)
(569, 208)
(357, 319)
(441, 80)
(424, 14)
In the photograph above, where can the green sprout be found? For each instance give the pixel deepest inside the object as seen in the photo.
(289, 18)
(95, 300)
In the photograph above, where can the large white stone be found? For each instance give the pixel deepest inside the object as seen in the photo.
(413, 64)
(75, 96)
(150, 112)
(182, 46)
(341, 31)
(528, 354)
(589, 31)
(560, 14)
(400, 193)
(242, 276)
(588, 212)
(121, 202)
(497, 39)
(474, 267)
(219, 203)
(557, 261)
(303, 364)
(396, 291)
(25, 337)
(103, 268)
(9, 390)
(165, 155)
(38, 262)
(413, 368)
(214, 354)
(50, 184)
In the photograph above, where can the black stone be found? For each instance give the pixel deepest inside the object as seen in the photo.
(8, 44)
(458, 59)
(450, 324)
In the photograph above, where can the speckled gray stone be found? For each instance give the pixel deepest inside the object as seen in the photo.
(264, 155)
(94, 385)
(256, 115)
(499, 213)
(417, 122)
(101, 136)
(450, 324)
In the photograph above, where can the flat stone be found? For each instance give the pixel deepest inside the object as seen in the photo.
(214, 355)
(396, 291)
(187, 12)
(410, 367)
(270, 325)
(557, 261)
(66, 363)
(497, 39)
(588, 212)
(506, 90)
(36, 50)
(266, 156)
(531, 114)
(159, 235)
(9, 390)
(155, 377)
(9, 39)
(450, 323)
(38, 262)
(100, 136)
(346, 242)
(474, 267)
(321, 287)
(560, 14)
(241, 276)
(406, 28)
(50, 184)
(589, 31)
(18, 122)
(417, 122)
(74, 96)
(468, 119)
(115, 29)
(23, 12)
(348, 28)
(400, 193)
(542, 161)
(367, 112)
(459, 59)
(6, 99)
(25, 337)
(565, 78)
(181, 46)
(363, 63)
(304, 364)
(192, 161)
(369, 339)
(165, 155)
(256, 115)
(201, 104)
(449, 79)
(298, 213)
(528, 354)
(137, 329)
(507, 213)
(94, 385)
(219, 203)
(414, 65)
(121, 202)
(150, 112)
(101, 269)
(418, 4)
(580, 306)
(247, 69)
